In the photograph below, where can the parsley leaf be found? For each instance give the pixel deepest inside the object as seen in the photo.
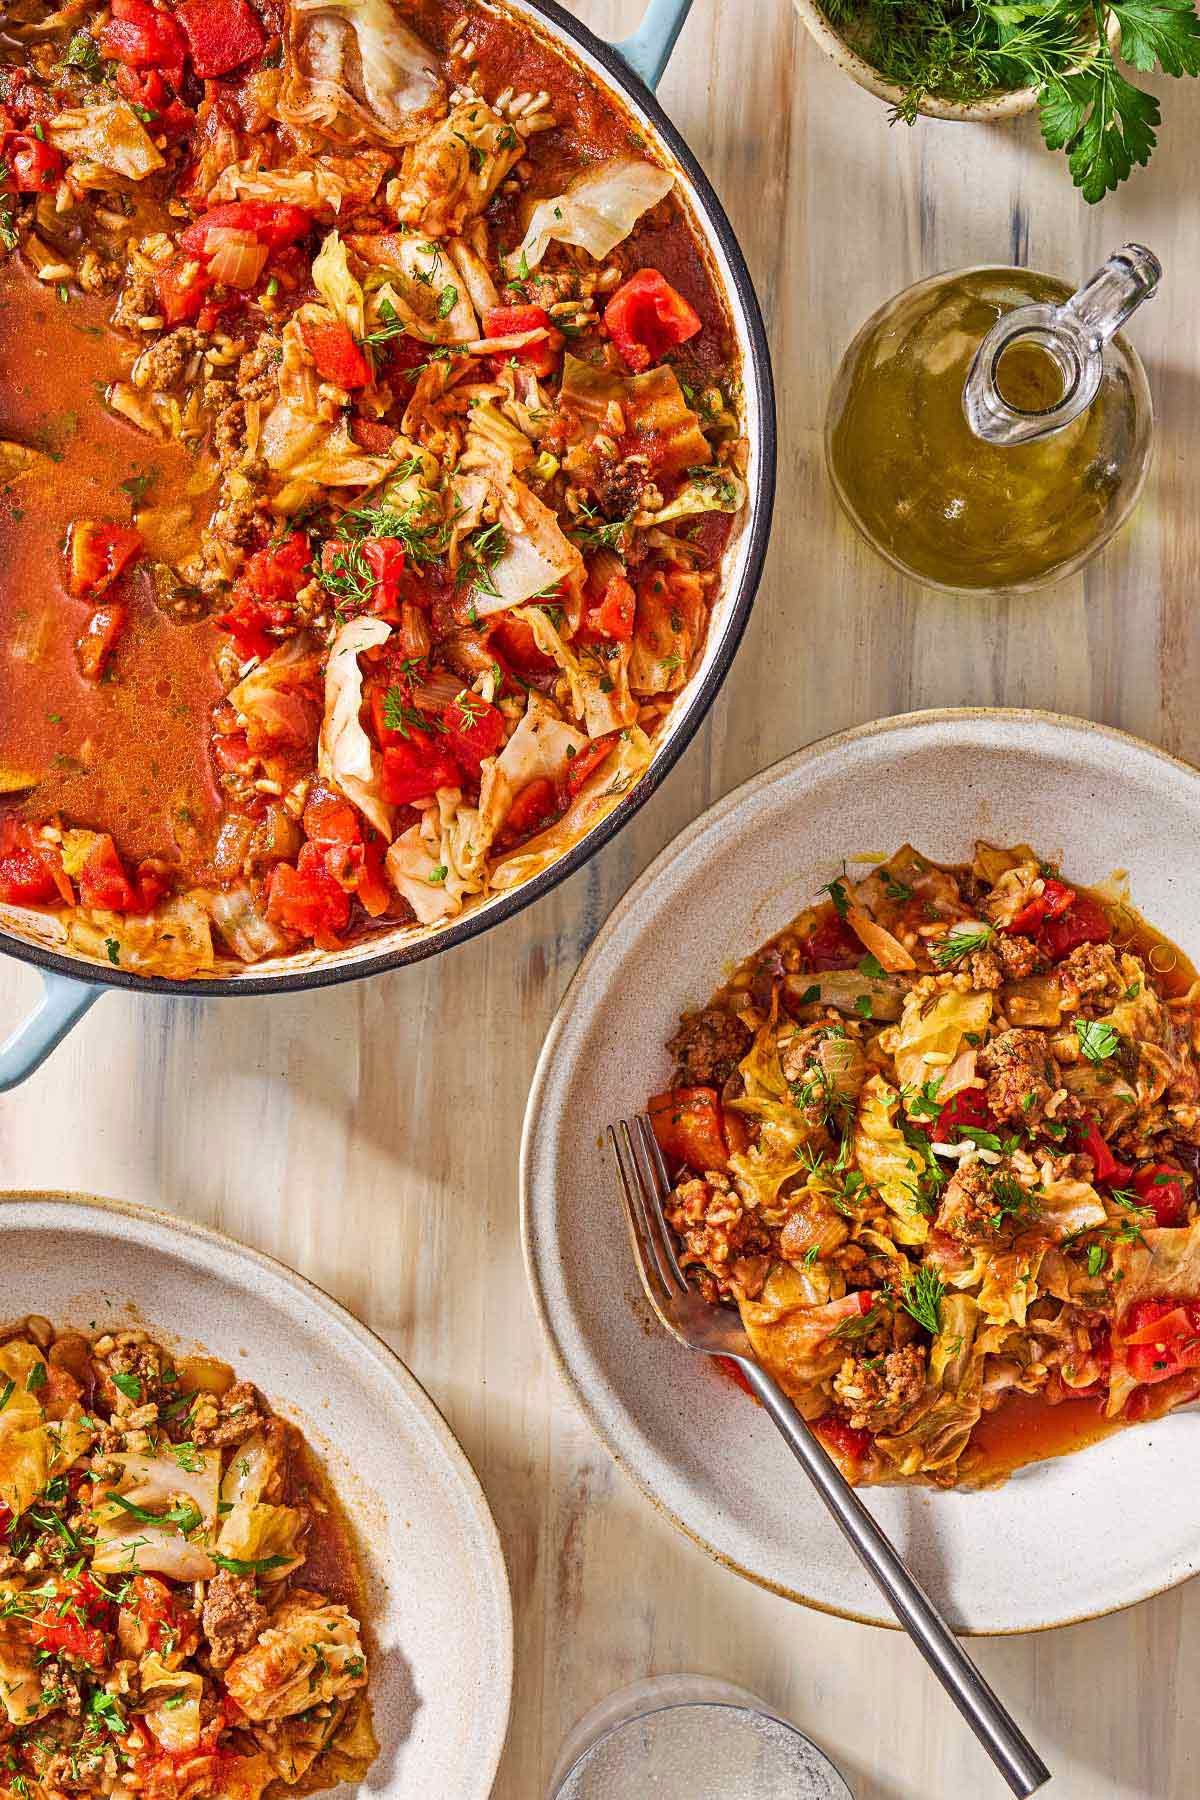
(1105, 125)
(1097, 1040)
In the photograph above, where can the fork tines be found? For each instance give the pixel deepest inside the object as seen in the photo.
(644, 1187)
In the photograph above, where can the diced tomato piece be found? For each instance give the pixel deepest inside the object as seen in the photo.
(274, 223)
(614, 613)
(583, 765)
(511, 321)
(306, 899)
(1162, 1338)
(167, 1626)
(96, 643)
(831, 946)
(414, 768)
(331, 822)
(337, 356)
(1108, 1169)
(474, 729)
(1084, 922)
(968, 1107)
(850, 1443)
(1051, 903)
(99, 551)
(74, 1623)
(1160, 1186)
(221, 34)
(26, 872)
(385, 559)
(30, 166)
(646, 317)
(142, 37)
(264, 593)
(104, 883)
(532, 809)
(513, 639)
(689, 1125)
(372, 887)
(182, 288)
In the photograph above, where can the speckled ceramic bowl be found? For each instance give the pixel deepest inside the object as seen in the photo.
(439, 1619)
(1054, 1544)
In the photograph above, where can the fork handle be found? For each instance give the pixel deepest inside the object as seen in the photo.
(996, 1729)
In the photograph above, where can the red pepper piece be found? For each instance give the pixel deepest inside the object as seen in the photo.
(142, 37)
(99, 551)
(583, 765)
(337, 356)
(30, 166)
(511, 321)
(613, 614)
(97, 641)
(689, 1126)
(1083, 923)
(532, 809)
(646, 317)
(1160, 1186)
(307, 900)
(26, 871)
(968, 1107)
(414, 768)
(221, 34)
(273, 223)
(474, 729)
(1162, 1338)
(1108, 1169)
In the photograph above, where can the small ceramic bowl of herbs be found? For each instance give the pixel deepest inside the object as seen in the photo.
(967, 60)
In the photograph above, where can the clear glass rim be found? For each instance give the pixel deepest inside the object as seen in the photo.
(748, 1708)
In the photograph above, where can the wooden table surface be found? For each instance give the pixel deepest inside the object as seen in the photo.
(367, 1135)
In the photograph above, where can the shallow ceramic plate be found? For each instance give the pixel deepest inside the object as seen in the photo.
(438, 1607)
(1054, 1544)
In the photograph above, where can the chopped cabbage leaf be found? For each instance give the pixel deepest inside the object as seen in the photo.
(309, 1654)
(171, 1703)
(599, 682)
(704, 491)
(796, 1342)
(322, 186)
(109, 134)
(1010, 1285)
(345, 755)
(174, 940)
(254, 1532)
(537, 554)
(439, 862)
(254, 1471)
(597, 212)
(336, 285)
(594, 801)
(890, 1165)
(452, 173)
(653, 405)
(155, 1482)
(355, 70)
(928, 1038)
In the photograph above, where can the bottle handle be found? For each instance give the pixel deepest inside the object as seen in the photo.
(1072, 335)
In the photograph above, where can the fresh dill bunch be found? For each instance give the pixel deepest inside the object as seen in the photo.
(964, 50)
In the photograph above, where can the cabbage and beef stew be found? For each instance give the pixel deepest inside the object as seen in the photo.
(179, 1599)
(938, 1143)
(369, 445)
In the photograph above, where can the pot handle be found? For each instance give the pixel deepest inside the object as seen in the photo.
(648, 51)
(62, 1005)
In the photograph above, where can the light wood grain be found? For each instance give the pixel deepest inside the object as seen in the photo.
(367, 1135)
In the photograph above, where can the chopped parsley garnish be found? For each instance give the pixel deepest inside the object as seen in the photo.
(236, 1565)
(36, 1378)
(1097, 1256)
(837, 893)
(1097, 1040)
(129, 1385)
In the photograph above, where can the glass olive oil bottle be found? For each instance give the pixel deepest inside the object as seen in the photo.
(988, 430)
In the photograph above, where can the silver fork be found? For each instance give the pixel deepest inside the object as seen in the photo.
(718, 1332)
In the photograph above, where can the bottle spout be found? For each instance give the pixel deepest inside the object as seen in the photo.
(1069, 340)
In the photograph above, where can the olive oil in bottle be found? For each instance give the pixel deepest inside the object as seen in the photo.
(988, 430)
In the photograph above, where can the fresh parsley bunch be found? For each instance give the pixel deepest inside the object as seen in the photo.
(964, 50)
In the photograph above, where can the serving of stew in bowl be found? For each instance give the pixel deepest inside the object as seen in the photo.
(384, 464)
